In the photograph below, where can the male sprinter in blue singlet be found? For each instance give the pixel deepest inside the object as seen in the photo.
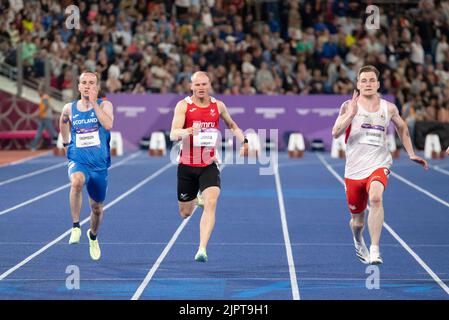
(85, 128)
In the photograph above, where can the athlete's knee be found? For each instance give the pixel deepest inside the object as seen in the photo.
(210, 203)
(356, 223)
(375, 199)
(97, 208)
(77, 183)
(185, 211)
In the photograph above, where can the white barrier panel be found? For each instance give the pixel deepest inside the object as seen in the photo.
(58, 150)
(254, 144)
(296, 145)
(338, 147)
(157, 144)
(228, 144)
(392, 147)
(116, 144)
(432, 147)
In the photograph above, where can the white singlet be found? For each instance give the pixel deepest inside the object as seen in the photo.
(366, 142)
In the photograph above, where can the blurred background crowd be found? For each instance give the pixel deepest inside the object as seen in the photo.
(247, 46)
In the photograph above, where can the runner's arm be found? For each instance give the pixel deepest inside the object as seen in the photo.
(65, 123)
(343, 121)
(177, 132)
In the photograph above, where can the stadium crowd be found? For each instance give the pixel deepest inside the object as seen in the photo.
(248, 47)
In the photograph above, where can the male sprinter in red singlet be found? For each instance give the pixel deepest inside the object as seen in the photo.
(196, 123)
(365, 120)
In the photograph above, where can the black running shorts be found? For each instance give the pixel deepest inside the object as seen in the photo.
(191, 179)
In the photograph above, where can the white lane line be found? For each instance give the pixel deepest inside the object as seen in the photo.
(62, 236)
(161, 258)
(164, 253)
(24, 160)
(292, 164)
(288, 246)
(427, 193)
(232, 278)
(31, 174)
(261, 244)
(330, 169)
(396, 236)
(44, 195)
(417, 258)
(439, 169)
(49, 193)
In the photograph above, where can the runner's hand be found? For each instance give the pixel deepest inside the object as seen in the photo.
(420, 161)
(244, 150)
(193, 131)
(93, 94)
(352, 106)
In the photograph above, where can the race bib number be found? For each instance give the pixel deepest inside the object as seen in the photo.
(88, 139)
(205, 139)
(373, 135)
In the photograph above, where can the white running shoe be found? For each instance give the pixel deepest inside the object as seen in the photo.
(201, 255)
(94, 247)
(200, 202)
(75, 235)
(375, 257)
(362, 251)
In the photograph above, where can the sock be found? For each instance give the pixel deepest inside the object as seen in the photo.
(91, 236)
(76, 224)
(374, 249)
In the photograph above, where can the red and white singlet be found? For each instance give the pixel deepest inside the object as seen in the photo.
(366, 142)
(200, 150)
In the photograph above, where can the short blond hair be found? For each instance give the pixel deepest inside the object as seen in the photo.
(368, 68)
(91, 72)
(202, 73)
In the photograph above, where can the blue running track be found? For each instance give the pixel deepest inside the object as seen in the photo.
(277, 237)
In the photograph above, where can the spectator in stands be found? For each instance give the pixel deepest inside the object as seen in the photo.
(445, 104)
(443, 110)
(317, 83)
(264, 77)
(287, 46)
(408, 113)
(45, 119)
(29, 50)
(113, 83)
(248, 87)
(432, 108)
(343, 85)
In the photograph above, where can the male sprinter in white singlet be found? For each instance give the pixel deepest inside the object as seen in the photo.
(365, 121)
(196, 123)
